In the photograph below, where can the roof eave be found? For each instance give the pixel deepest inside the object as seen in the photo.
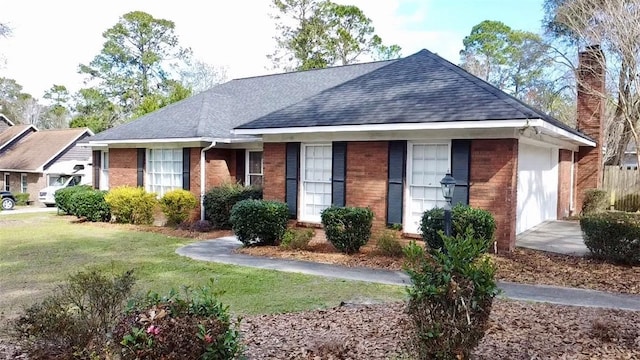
(106, 143)
(443, 125)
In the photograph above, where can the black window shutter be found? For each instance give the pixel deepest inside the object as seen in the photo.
(240, 166)
(291, 175)
(97, 165)
(460, 162)
(141, 164)
(396, 175)
(338, 173)
(186, 168)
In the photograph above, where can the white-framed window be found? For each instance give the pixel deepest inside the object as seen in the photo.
(253, 168)
(7, 182)
(427, 164)
(24, 184)
(104, 170)
(163, 170)
(316, 181)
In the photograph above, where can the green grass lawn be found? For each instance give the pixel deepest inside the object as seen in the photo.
(39, 251)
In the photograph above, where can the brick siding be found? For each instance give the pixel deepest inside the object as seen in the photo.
(274, 162)
(493, 187)
(591, 87)
(123, 167)
(564, 183)
(366, 180)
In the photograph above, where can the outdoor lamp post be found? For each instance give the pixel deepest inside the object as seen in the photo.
(448, 184)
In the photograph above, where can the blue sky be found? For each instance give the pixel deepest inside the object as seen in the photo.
(48, 43)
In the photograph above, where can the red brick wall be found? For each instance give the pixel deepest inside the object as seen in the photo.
(274, 162)
(123, 167)
(194, 170)
(220, 167)
(366, 182)
(493, 187)
(564, 183)
(591, 79)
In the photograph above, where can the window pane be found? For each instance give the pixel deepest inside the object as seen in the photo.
(164, 170)
(255, 162)
(255, 180)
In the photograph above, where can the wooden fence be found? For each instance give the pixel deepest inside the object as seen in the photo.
(623, 185)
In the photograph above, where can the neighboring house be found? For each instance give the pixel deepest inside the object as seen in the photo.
(29, 158)
(380, 135)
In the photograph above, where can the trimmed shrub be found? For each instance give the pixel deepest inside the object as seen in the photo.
(462, 217)
(219, 201)
(177, 205)
(388, 243)
(63, 197)
(76, 321)
(613, 236)
(413, 255)
(130, 205)
(90, 204)
(347, 228)
(297, 239)
(595, 200)
(628, 203)
(450, 298)
(259, 222)
(191, 325)
(22, 199)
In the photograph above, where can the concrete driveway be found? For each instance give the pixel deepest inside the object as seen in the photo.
(559, 236)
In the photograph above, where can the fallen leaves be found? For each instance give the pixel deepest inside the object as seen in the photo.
(517, 330)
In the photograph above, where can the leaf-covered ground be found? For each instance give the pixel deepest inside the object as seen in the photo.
(517, 330)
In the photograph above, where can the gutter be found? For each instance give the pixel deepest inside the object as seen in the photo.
(203, 178)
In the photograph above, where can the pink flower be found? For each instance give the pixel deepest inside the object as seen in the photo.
(208, 339)
(153, 330)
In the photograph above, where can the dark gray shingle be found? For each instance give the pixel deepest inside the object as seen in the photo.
(215, 112)
(420, 88)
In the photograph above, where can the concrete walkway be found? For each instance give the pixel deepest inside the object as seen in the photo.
(28, 210)
(558, 236)
(222, 251)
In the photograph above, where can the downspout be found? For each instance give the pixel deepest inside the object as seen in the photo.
(203, 171)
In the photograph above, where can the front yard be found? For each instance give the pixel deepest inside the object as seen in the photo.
(290, 316)
(39, 251)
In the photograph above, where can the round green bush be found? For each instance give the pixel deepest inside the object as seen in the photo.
(462, 217)
(259, 222)
(177, 205)
(90, 204)
(613, 236)
(63, 197)
(347, 228)
(219, 201)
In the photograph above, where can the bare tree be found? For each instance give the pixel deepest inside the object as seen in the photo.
(615, 26)
(200, 76)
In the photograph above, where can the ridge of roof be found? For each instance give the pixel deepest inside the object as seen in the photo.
(314, 69)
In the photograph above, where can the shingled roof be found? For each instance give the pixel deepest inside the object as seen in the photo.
(212, 114)
(35, 152)
(421, 88)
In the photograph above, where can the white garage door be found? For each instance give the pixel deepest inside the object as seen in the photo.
(537, 185)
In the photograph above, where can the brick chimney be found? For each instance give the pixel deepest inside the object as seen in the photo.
(591, 88)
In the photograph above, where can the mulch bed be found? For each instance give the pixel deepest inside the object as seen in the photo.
(517, 330)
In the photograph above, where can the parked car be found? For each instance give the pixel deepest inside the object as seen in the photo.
(47, 195)
(8, 200)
